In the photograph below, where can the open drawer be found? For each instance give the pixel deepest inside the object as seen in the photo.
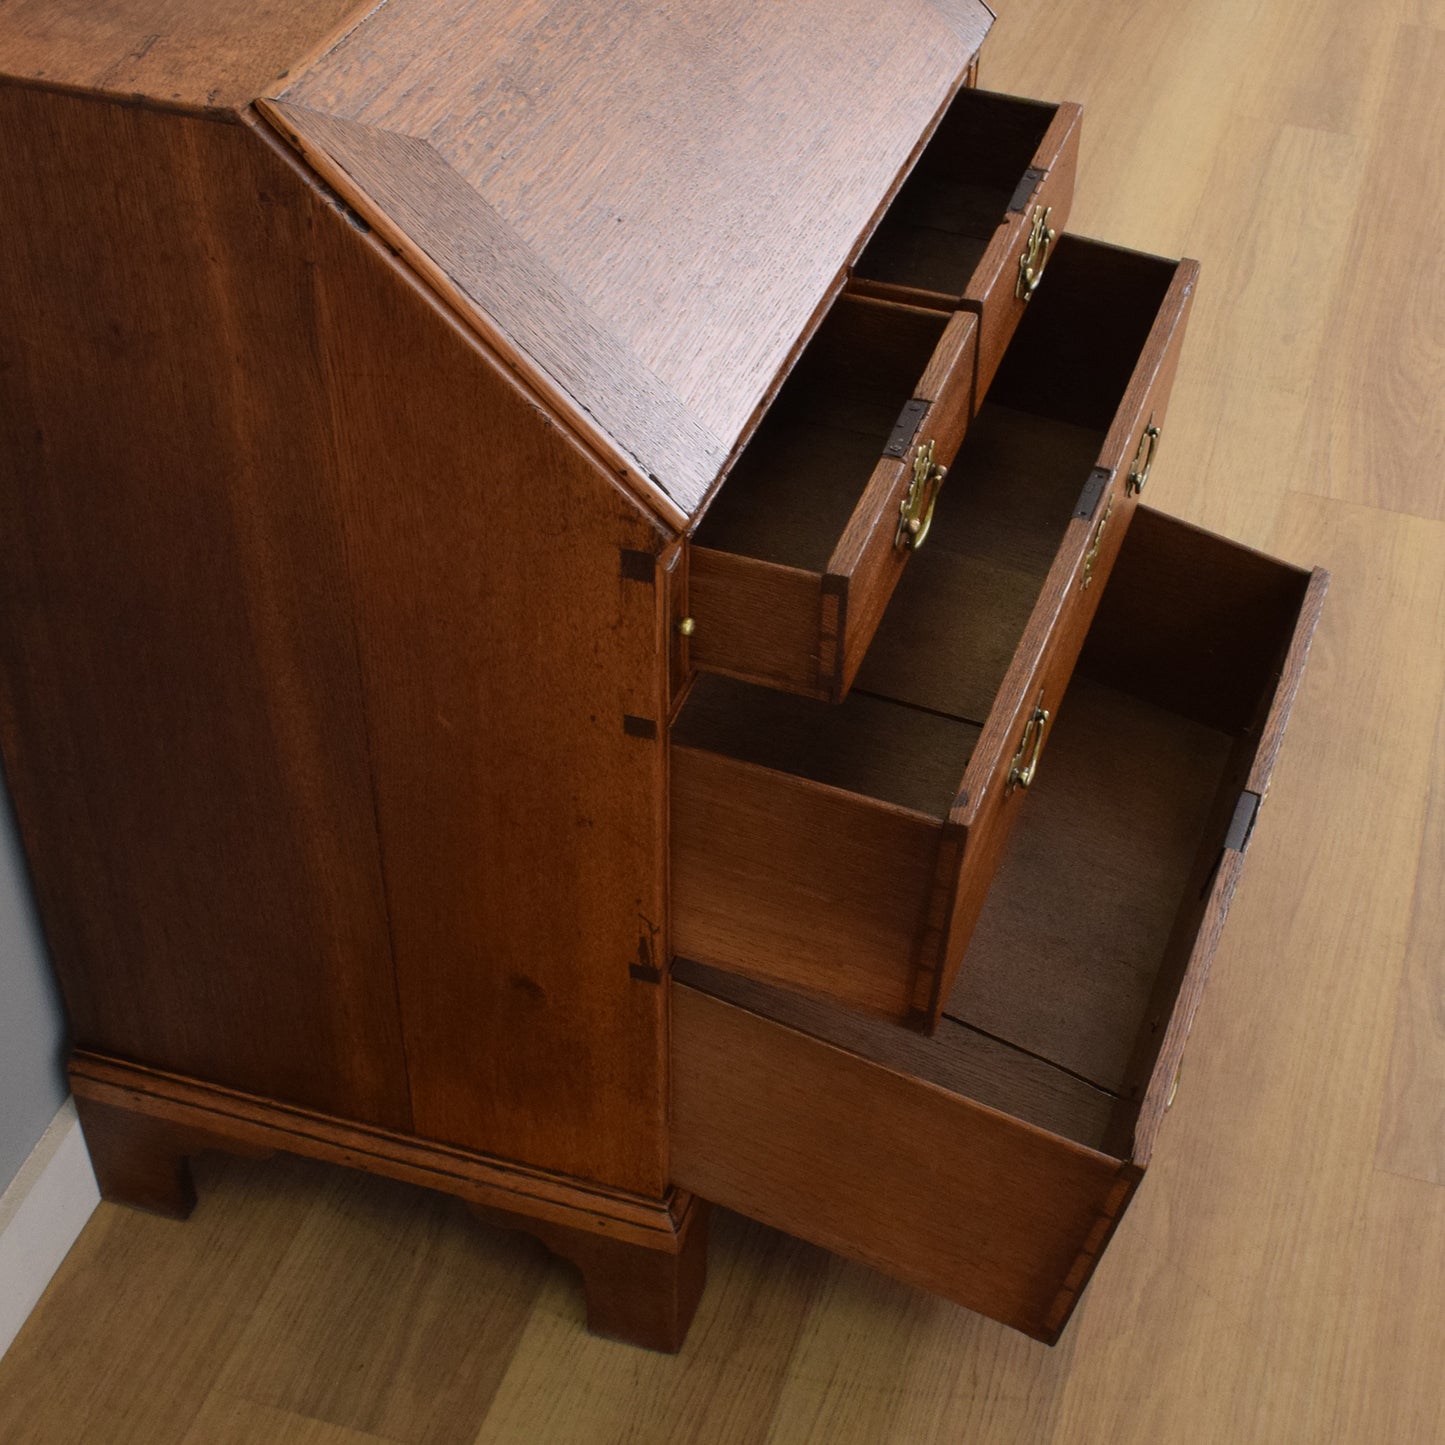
(845, 850)
(991, 1162)
(797, 556)
(974, 224)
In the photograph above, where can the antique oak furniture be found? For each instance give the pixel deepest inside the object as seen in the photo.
(579, 629)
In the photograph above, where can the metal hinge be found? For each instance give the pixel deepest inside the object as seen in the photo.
(1088, 501)
(1028, 184)
(906, 427)
(1241, 825)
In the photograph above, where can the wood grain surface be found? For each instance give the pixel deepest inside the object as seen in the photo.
(629, 153)
(177, 665)
(817, 493)
(253, 632)
(958, 1058)
(1104, 344)
(1278, 1278)
(883, 1167)
(216, 56)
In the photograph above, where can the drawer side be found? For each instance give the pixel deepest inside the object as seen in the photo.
(1285, 607)
(755, 619)
(889, 1170)
(791, 882)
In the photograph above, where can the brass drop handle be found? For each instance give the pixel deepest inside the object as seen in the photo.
(1035, 255)
(915, 511)
(1092, 555)
(1019, 775)
(1143, 458)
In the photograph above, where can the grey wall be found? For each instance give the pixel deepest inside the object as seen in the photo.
(32, 1030)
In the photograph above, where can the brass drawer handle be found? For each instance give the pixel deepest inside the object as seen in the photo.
(1020, 776)
(1035, 255)
(1143, 458)
(915, 511)
(1092, 555)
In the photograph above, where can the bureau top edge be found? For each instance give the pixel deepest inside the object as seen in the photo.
(644, 209)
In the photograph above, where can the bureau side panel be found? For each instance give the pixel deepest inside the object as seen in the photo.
(332, 668)
(509, 608)
(180, 701)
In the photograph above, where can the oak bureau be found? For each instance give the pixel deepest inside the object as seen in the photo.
(581, 626)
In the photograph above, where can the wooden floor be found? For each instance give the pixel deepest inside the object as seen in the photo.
(1281, 1276)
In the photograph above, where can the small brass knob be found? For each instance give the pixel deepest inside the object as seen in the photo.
(687, 626)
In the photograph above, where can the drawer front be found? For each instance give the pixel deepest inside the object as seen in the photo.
(795, 562)
(801, 851)
(975, 223)
(990, 1162)
(847, 851)
(896, 514)
(1016, 264)
(1011, 751)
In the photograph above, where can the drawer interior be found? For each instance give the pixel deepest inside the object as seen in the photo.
(958, 614)
(1081, 336)
(1097, 914)
(806, 838)
(1077, 963)
(962, 1059)
(1064, 958)
(872, 746)
(955, 620)
(961, 190)
(793, 490)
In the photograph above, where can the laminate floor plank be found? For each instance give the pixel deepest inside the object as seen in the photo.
(1389, 1388)
(127, 1342)
(1325, 67)
(1156, 81)
(1274, 221)
(394, 1313)
(882, 1364)
(1376, 425)
(565, 1387)
(1412, 1117)
(225, 1420)
(1242, 1259)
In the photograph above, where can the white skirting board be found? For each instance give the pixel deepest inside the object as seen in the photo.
(42, 1212)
